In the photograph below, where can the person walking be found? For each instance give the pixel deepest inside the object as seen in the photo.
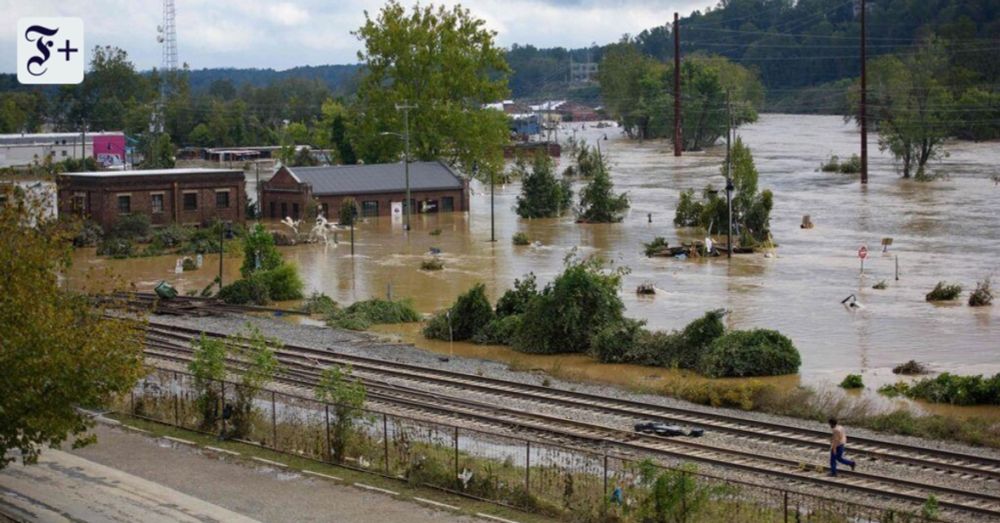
(838, 440)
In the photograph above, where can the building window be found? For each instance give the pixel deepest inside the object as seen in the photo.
(369, 208)
(274, 209)
(448, 204)
(284, 210)
(124, 204)
(295, 211)
(78, 203)
(222, 200)
(156, 203)
(64, 152)
(191, 201)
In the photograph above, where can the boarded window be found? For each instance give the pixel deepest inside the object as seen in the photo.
(369, 208)
(295, 211)
(222, 200)
(191, 201)
(156, 203)
(448, 204)
(124, 204)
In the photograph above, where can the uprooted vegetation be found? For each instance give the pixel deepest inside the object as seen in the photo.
(361, 315)
(580, 312)
(850, 166)
(944, 292)
(910, 368)
(983, 295)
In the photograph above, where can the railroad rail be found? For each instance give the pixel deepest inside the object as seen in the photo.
(302, 366)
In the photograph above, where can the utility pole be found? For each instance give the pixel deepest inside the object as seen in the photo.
(864, 101)
(405, 107)
(729, 176)
(677, 87)
(493, 228)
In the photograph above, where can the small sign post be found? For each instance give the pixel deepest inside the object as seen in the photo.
(862, 254)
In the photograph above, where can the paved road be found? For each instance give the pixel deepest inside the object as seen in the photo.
(128, 477)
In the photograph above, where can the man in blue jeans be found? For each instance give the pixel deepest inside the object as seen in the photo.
(837, 442)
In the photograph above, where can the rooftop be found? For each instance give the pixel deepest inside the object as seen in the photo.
(377, 178)
(151, 172)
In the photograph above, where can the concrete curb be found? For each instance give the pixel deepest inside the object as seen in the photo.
(323, 476)
(269, 462)
(135, 429)
(436, 504)
(376, 489)
(494, 518)
(224, 451)
(180, 440)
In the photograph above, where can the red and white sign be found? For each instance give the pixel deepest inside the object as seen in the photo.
(863, 252)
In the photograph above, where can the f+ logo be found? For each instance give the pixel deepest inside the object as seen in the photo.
(38, 39)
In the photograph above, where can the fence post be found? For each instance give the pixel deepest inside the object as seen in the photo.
(385, 438)
(456, 455)
(684, 474)
(222, 413)
(605, 494)
(274, 424)
(326, 408)
(527, 467)
(177, 396)
(785, 505)
(131, 400)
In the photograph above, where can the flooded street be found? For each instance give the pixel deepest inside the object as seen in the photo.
(942, 230)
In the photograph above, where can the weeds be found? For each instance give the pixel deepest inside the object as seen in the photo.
(983, 295)
(944, 292)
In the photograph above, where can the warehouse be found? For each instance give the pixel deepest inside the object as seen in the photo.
(18, 150)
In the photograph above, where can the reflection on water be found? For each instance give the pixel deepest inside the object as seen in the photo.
(945, 230)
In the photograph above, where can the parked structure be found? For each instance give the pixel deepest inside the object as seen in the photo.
(378, 190)
(184, 196)
(17, 150)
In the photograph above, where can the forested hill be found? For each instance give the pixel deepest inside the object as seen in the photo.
(339, 78)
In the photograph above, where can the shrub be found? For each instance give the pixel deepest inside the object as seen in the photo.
(515, 301)
(758, 352)
(688, 212)
(499, 331)
(521, 238)
(944, 292)
(699, 335)
(116, 247)
(468, 315)
(957, 390)
(579, 303)
(283, 283)
(251, 290)
(909, 368)
(319, 303)
(542, 195)
(655, 247)
(893, 390)
(852, 381)
(851, 166)
(436, 232)
(432, 264)
(188, 264)
(832, 165)
(361, 315)
(259, 252)
(348, 211)
(983, 295)
(171, 236)
(599, 203)
(616, 343)
(88, 234)
(131, 227)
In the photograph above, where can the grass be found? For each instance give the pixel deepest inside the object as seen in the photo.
(944, 292)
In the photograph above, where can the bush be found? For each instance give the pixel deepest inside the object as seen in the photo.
(852, 381)
(758, 352)
(361, 315)
(616, 343)
(850, 166)
(171, 236)
(910, 368)
(499, 331)
(542, 195)
(253, 290)
(655, 247)
(469, 314)
(188, 264)
(699, 335)
(319, 303)
(348, 211)
(432, 264)
(578, 304)
(944, 292)
(893, 390)
(983, 295)
(599, 203)
(131, 227)
(521, 238)
(515, 301)
(116, 248)
(832, 165)
(283, 283)
(88, 234)
(957, 390)
(436, 232)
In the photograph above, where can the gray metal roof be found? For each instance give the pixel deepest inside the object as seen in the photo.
(151, 172)
(377, 178)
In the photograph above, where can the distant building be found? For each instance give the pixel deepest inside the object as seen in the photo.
(184, 196)
(575, 112)
(378, 189)
(17, 150)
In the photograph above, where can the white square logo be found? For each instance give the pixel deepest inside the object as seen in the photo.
(50, 50)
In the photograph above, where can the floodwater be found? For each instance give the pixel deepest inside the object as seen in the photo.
(942, 230)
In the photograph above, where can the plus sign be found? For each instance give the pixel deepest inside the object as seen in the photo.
(67, 50)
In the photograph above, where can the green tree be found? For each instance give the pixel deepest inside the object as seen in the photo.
(209, 369)
(256, 354)
(542, 195)
(598, 202)
(58, 350)
(346, 394)
(444, 63)
(912, 105)
(259, 252)
(160, 152)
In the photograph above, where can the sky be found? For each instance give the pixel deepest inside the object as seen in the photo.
(288, 33)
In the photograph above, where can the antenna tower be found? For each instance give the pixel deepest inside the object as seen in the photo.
(167, 36)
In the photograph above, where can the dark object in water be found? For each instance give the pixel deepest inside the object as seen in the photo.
(165, 291)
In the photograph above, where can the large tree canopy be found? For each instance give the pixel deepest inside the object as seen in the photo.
(444, 63)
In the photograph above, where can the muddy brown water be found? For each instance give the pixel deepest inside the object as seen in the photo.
(942, 230)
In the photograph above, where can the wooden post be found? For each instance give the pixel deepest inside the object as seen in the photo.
(678, 142)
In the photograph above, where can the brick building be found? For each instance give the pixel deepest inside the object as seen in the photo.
(184, 196)
(378, 189)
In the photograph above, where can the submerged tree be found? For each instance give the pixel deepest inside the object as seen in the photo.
(58, 350)
(598, 202)
(542, 195)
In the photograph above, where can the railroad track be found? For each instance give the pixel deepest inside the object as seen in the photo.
(302, 367)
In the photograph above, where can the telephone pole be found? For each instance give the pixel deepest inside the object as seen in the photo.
(405, 107)
(864, 101)
(677, 87)
(729, 177)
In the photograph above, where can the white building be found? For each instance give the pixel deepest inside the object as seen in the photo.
(25, 149)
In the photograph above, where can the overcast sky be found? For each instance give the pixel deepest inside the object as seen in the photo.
(283, 34)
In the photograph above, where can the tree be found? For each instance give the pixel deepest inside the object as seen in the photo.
(259, 252)
(257, 356)
(542, 195)
(160, 152)
(58, 350)
(209, 369)
(598, 202)
(347, 396)
(443, 63)
(912, 105)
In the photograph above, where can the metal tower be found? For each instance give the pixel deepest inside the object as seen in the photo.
(167, 36)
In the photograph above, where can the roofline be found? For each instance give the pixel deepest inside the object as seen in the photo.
(412, 190)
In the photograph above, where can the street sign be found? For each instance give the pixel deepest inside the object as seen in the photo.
(863, 252)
